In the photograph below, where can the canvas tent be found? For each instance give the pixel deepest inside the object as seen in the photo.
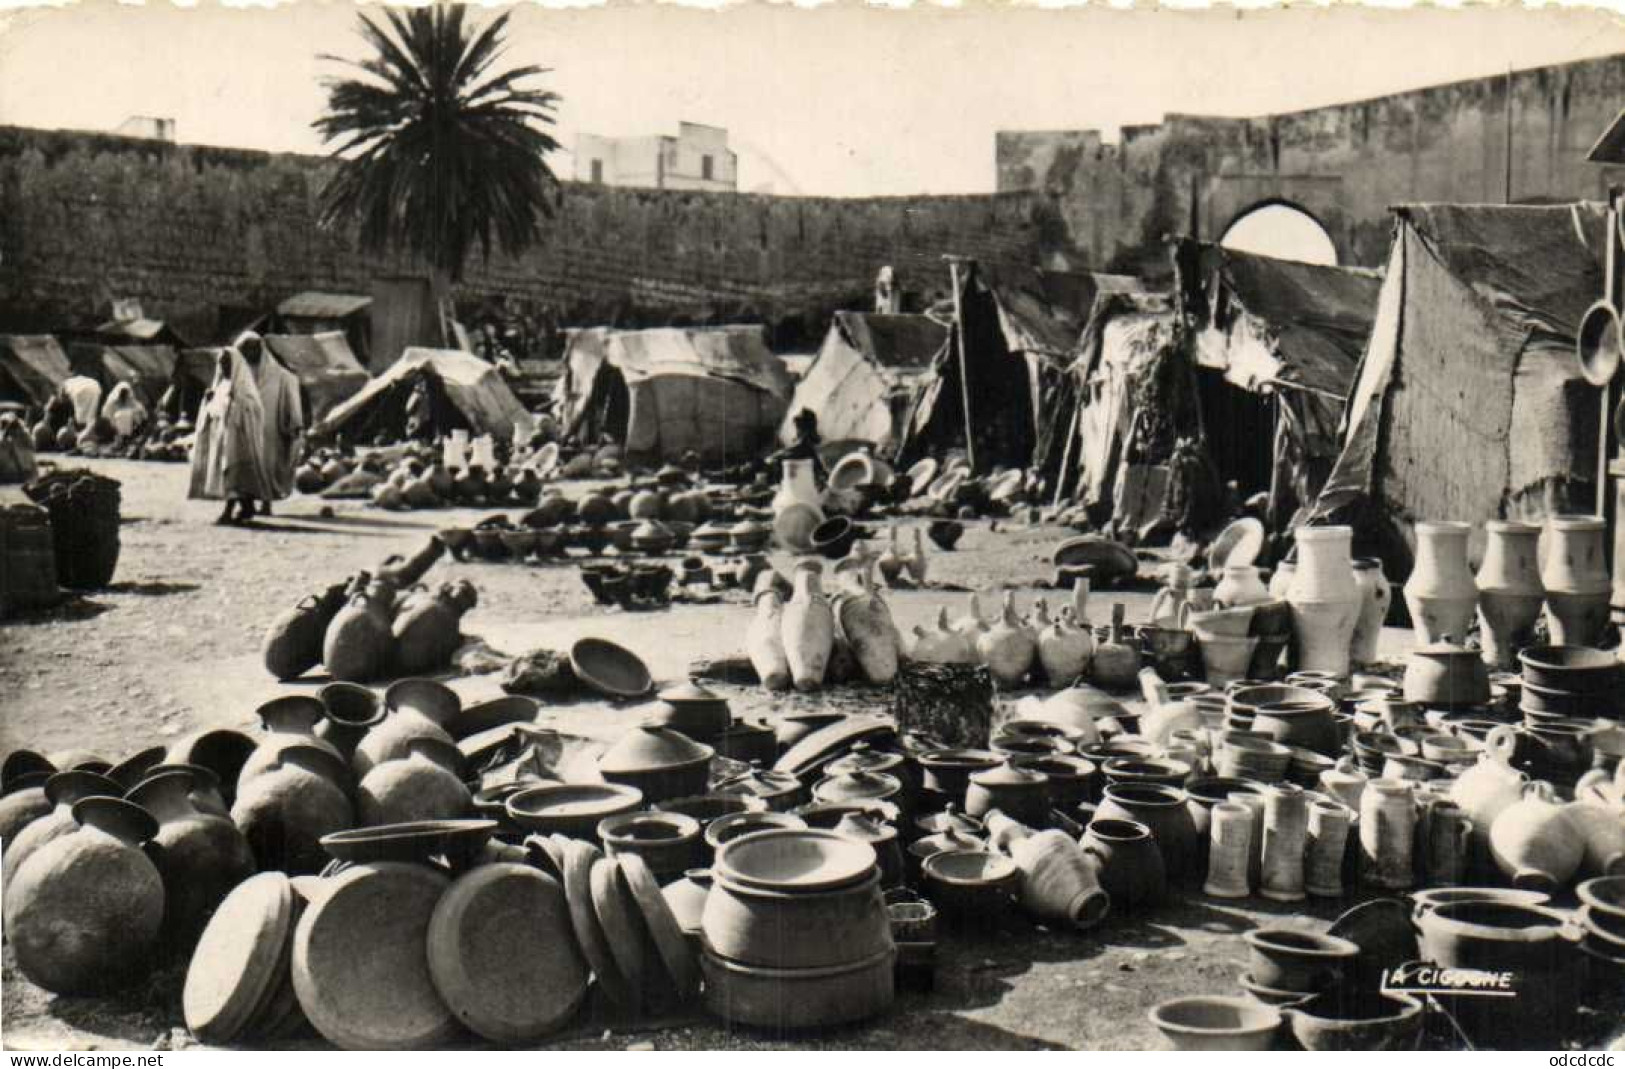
(714, 391)
(32, 368)
(464, 393)
(314, 312)
(139, 331)
(863, 382)
(1468, 404)
(148, 369)
(327, 369)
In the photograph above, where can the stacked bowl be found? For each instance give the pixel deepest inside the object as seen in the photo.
(795, 931)
(1567, 682)
(1602, 915)
(1244, 756)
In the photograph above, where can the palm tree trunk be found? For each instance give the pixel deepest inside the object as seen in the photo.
(445, 312)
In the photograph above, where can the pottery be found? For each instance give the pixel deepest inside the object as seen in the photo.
(1441, 593)
(426, 628)
(1021, 794)
(864, 621)
(1116, 662)
(764, 642)
(1007, 649)
(1575, 576)
(461, 843)
(1442, 674)
(783, 1000)
(423, 785)
(609, 668)
(1325, 599)
(22, 803)
(60, 792)
(1510, 593)
(794, 861)
(1375, 595)
(1235, 836)
(857, 787)
(686, 900)
(417, 708)
(285, 811)
(1226, 660)
(1602, 829)
(1534, 843)
(1291, 959)
(1484, 790)
(288, 721)
(349, 711)
(948, 772)
(881, 837)
(358, 642)
(1328, 834)
(571, 809)
(1163, 811)
(1211, 1022)
(970, 885)
(806, 928)
(1387, 834)
(1058, 881)
(1167, 772)
(1479, 934)
(1240, 585)
(1335, 1021)
(659, 762)
(1303, 722)
(84, 913)
(220, 750)
(1286, 832)
(808, 628)
(293, 643)
(201, 855)
(1064, 652)
(1130, 866)
(1068, 780)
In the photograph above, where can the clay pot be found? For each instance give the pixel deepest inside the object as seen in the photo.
(61, 792)
(285, 811)
(289, 721)
(1290, 959)
(293, 643)
(882, 838)
(1305, 722)
(659, 762)
(1068, 780)
(1444, 675)
(1325, 599)
(1131, 869)
(669, 843)
(1064, 652)
(686, 900)
(970, 886)
(1021, 794)
(1387, 834)
(764, 642)
(1575, 577)
(416, 708)
(202, 855)
(84, 913)
(1336, 1021)
(358, 643)
(1375, 595)
(1163, 811)
(1534, 843)
(427, 629)
(808, 929)
(221, 751)
(1058, 883)
(22, 804)
(1510, 593)
(1441, 592)
(423, 785)
(808, 628)
(1240, 585)
(349, 712)
(1007, 649)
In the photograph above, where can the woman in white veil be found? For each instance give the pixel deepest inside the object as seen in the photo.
(228, 452)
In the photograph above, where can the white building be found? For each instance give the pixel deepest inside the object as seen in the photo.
(697, 158)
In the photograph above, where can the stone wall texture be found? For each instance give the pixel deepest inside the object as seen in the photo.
(1344, 165)
(201, 235)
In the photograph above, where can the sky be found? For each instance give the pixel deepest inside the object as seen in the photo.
(840, 100)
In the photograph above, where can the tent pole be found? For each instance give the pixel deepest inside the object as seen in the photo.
(1066, 454)
(964, 378)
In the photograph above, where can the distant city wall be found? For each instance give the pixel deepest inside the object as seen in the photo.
(201, 234)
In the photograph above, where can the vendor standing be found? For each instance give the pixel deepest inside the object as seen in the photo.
(805, 447)
(228, 450)
(284, 415)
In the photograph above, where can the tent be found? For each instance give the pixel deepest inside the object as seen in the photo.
(148, 369)
(714, 391)
(464, 393)
(138, 332)
(1276, 344)
(1469, 404)
(32, 368)
(315, 312)
(863, 382)
(328, 371)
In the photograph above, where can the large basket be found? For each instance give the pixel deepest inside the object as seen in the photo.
(27, 560)
(84, 510)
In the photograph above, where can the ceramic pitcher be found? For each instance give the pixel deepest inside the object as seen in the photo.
(1575, 575)
(1441, 593)
(1445, 835)
(1375, 594)
(1325, 599)
(1510, 593)
(1241, 585)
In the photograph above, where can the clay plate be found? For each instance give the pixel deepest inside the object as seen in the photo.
(416, 840)
(235, 965)
(610, 669)
(623, 926)
(675, 953)
(794, 859)
(578, 864)
(828, 741)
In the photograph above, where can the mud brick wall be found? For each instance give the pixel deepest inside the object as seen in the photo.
(194, 232)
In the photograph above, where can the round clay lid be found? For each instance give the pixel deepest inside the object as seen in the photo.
(949, 819)
(867, 828)
(237, 957)
(1008, 775)
(864, 758)
(856, 786)
(761, 782)
(690, 692)
(650, 747)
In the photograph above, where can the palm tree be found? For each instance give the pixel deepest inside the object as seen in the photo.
(437, 152)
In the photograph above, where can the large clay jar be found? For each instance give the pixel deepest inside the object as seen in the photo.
(22, 804)
(1019, 793)
(941, 644)
(1441, 593)
(289, 721)
(423, 785)
(1064, 651)
(1510, 593)
(1325, 599)
(808, 628)
(293, 643)
(202, 855)
(220, 750)
(349, 712)
(1575, 577)
(285, 811)
(359, 642)
(85, 912)
(1602, 828)
(417, 708)
(427, 630)
(1486, 789)
(1007, 648)
(1534, 843)
(1240, 586)
(865, 622)
(1375, 595)
(764, 642)
(1130, 865)
(1058, 882)
(63, 791)
(1162, 810)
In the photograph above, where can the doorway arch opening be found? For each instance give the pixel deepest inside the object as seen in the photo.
(1283, 230)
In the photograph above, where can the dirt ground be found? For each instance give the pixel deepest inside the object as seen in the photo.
(173, 646)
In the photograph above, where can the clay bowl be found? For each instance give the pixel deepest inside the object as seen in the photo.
(1029, 746)
(1422, 901)
(1604, 899)
(669, 843)
(738, 825)
(1348, 1020)
(610, 669)
(491, 803)
(1291, 959)
(833, 538)
(1269, 996)
(801, 929)
(1574, 669)
(593, 577)
(455, 840)
(1163, 771)
(970, 884)
(519, 542)
(1069, 780)
(571, 809)
(948, 772)
(495, 713)
(795, 861)
(436, 702)
(708, 808)
(1211, 1022)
